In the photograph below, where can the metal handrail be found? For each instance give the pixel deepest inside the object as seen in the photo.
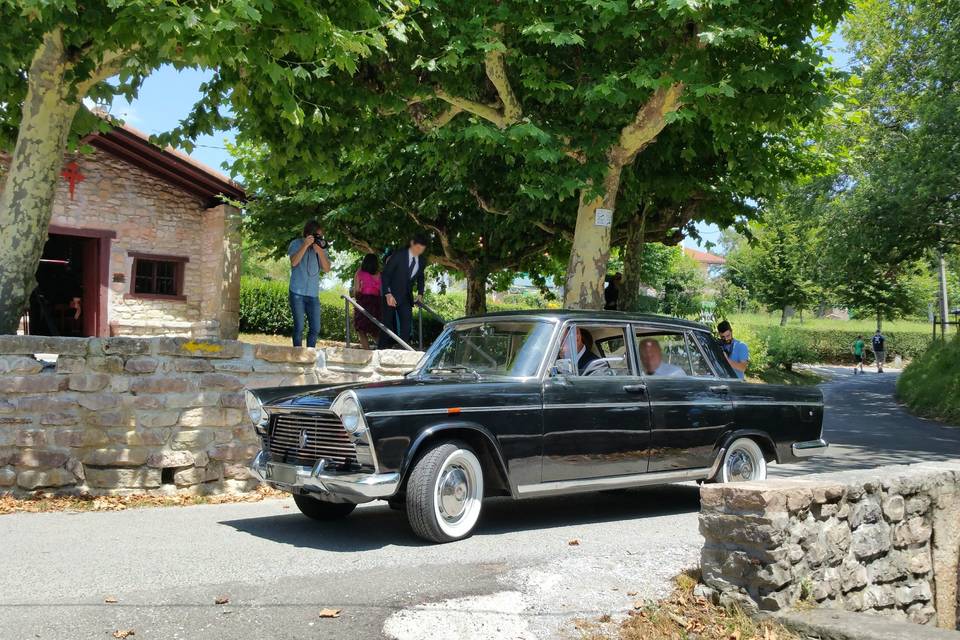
(424, 306)
(347, 301)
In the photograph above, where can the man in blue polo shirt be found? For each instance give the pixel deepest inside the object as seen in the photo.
(738, 355)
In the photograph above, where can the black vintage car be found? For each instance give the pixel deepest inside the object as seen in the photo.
(530, 404)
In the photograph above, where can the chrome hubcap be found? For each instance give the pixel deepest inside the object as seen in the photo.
(453, 492)
(740, 466)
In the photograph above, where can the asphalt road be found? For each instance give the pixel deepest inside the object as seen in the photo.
(518, 577)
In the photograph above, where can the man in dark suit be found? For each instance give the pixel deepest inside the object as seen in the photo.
(404, 269)
(585, 354)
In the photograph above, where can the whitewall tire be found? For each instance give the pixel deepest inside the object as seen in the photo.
(743, 461)
(445, 493)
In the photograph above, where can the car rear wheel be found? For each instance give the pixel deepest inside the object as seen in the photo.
(324, 511)
(445, 493)
(743, 462)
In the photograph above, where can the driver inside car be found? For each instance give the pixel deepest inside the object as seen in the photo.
(584, 354)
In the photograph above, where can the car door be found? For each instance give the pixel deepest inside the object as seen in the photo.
(596, 425)
(690, 409)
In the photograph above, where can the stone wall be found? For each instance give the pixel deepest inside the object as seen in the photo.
(882, 541)
(105, 415)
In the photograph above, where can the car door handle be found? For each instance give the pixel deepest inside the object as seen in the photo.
(720, 388)
(635, 388)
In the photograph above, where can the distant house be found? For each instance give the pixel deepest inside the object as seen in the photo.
(709, 263)
(140, 243)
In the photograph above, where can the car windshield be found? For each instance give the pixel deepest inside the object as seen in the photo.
(483, 348)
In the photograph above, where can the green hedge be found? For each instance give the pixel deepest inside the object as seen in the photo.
(929, 384)
(787, 345)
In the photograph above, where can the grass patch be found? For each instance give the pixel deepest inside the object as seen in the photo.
(929, 385)
(683, 615)
(285, 341)
(41, 502)
(776, 375)
(862, 325)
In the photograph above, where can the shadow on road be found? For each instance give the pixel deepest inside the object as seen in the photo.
(376, 526)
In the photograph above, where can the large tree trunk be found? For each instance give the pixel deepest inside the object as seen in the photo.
(26, 201)
(633, 265)
(591, 247)
(476, 291)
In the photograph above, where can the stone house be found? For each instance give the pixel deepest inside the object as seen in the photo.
(140, 243)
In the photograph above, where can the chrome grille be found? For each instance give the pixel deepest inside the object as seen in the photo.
(325, 438)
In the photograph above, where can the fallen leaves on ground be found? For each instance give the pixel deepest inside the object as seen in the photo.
(123, 633)
(682, 615)
(42, 501)
(110, 600)
(222, 600)
(574, 543)
(329, 613)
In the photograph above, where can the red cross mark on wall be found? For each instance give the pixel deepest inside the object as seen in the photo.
(73, 176)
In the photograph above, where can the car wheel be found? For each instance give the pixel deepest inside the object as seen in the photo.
(744, 461)
(324, 511)
(445, 493)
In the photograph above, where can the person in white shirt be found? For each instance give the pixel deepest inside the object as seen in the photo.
(651, 359)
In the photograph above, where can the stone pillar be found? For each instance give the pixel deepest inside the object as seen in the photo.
(946, 549)
(221, 266)
(230, 284)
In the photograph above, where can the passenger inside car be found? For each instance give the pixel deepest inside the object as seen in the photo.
(651, 360)
(585, 354)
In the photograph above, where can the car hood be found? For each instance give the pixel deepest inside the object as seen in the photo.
(401, 394)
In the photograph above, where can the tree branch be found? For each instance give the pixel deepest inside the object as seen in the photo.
(485, 205)
(441, 232)
(110, 66)
(648, 123)
(505, 112)
(496, 69)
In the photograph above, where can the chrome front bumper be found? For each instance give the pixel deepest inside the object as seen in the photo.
(351, 487)
(809, 448)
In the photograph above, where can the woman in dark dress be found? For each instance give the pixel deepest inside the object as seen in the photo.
(366, 288)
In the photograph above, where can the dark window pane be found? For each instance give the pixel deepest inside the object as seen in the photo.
(155, 277)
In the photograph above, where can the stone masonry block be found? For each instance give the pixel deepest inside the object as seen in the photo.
(31, 438)
(395, 358)
(30, 384)
(189, 400)
(162, 384)
(8, 476)
(139, 437)
(189, 477)
(345, 356)
(28, 345)
(140, 364)
(19, 365)
(41, 404)
(193, 365)
(894, 508)
(211, 417)
(220, 382)
(123, 346)
(35, 479)
(60, 418)
(71, 364)
(105, 364)
(88, 381)
(192, 439)
(197, 348)
(80, 438)
(165, 459)
(914, 531)
(42, 458)
(871, 540)
(138, 478)
(115, 457)
(280, 353)
(99, 401)
(152, 419)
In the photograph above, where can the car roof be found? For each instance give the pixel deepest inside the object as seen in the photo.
(586, 314)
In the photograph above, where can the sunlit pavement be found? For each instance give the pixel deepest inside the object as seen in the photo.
(518, 577)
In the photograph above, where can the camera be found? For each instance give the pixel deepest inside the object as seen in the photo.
(320, 241)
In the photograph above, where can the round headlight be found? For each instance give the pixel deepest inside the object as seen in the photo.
(350, 414)
(254, 407)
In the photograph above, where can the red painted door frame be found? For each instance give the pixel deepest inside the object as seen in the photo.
(100, 261)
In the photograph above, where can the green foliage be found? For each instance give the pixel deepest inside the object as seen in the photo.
(755, 339)
(786, 347)
(820, 345)
(929, 384)
(777, 267)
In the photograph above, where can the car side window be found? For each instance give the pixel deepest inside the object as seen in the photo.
(601, 351)
(662, 353)
(698, 364)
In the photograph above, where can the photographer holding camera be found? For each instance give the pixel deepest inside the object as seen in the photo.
(308, 260)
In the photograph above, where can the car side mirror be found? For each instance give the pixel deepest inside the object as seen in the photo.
(563, 367)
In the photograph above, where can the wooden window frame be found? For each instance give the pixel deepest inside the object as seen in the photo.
(180, 263)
